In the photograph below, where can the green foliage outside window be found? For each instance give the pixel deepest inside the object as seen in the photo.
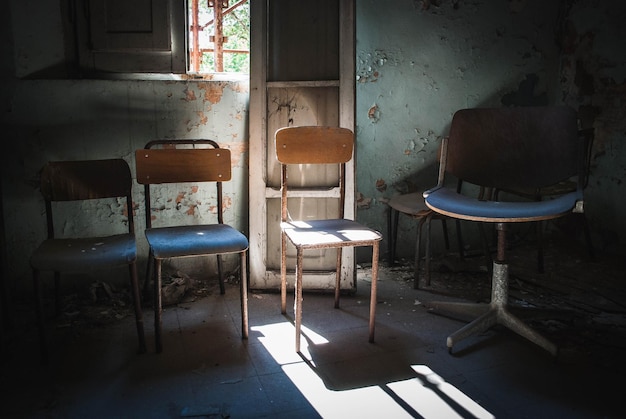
(236, 27)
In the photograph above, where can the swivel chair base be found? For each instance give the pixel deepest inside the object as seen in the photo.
(488, 315)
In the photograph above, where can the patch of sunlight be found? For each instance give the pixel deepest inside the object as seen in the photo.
(452, 392)
(365, 402)
(428, 395)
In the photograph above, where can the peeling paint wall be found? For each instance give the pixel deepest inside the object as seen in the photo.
(90, 119)
(420, 61)
(417, 63)
(593, 80)
(56, 119)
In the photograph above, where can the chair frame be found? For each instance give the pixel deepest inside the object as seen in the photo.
(82, 180)
(518, 148)
(424, 217)
(320, 145)
(171, 165)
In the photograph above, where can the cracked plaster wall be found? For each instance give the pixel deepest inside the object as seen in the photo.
(91, 119)
(57, 119)
(419, 61)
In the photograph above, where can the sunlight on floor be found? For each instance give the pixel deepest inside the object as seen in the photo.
(427, 395)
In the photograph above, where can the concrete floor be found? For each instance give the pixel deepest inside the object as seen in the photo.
(207, 370)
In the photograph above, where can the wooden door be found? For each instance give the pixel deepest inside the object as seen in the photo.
(302, 73)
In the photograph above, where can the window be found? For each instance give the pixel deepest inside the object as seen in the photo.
(219, 36)
(160, 36)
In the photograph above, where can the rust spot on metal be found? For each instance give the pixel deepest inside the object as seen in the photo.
(180, 197)
(191, 210)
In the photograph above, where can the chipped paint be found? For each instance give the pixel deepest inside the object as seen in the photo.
(373, 113)
(191, 209)
(238, 151)
(203, 119)
(362, 202)
(381, 186)
(190, 95)
(213, 92)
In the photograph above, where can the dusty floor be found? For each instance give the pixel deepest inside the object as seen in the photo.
(207, 370)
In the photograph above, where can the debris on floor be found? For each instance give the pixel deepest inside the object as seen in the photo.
(578, 302)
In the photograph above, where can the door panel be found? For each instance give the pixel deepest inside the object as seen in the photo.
(302, 73)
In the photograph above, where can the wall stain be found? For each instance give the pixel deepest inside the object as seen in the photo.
(237, 152)
(213, 92)
(373, 113)
(381, 186)
(190, 95)
(362, 202)
(203, 118)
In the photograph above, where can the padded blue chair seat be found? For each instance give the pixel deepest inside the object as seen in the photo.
(84, 254)
(191, 240)
(451, 203)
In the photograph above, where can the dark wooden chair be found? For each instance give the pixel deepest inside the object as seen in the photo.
(75, 182)
(506, 148)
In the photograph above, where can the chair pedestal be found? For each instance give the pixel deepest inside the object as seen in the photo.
(488, 315)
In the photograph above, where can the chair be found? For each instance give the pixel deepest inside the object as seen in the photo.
(80, 181)
(412, 205)
(188, 161)
(568, 185)
(504, 148)
(309, 145)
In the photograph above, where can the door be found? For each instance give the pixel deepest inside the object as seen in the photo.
(302, 73)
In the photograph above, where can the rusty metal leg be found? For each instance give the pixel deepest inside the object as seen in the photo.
(418, 242)
(393, 217)
(338, 277)
(429, 219)
(283, 273)
(298, 297)
(220, 273)
(372, 323)
(43, 340)
(243, 294)
(134, 287)
(146, 280)
(158, 311)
